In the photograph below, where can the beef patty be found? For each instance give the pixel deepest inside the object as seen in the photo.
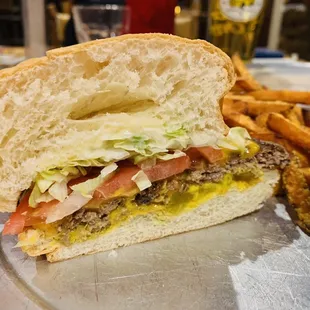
(270, 156)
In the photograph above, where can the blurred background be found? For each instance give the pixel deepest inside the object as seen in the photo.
(260, 28)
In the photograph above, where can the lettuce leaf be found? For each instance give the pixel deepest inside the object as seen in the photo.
(34, 196)
(237, 140)
(59, 191)
(141, 180)
(88, 187)
(176, 154)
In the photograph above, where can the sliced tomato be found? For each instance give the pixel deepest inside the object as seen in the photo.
(39, 214)
(16, 223)
(165, 169)
(121, 180)
(26, 216)
(211, 155)
(121, 183)
(193, 154)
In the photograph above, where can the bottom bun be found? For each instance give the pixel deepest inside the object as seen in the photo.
(145, 228)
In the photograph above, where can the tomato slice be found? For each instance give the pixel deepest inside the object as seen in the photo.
(121, 180)
(26, 216)
(39, 214)
(121, 183)
(193, 154)
(15, 224)
(166, 169)
(211, 155)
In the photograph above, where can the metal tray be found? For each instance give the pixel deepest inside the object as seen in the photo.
(260, 261)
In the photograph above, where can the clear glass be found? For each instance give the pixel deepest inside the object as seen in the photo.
(234, 25)
(99, 22)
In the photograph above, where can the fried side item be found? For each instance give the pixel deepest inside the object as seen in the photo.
(232, 106)
(306, 173)
(233, 96)
(246, 80)
(306, 117)
(295, 115)
(282, 95)
(241, 120)
(262, 119)
(298, 192)
(253, 107)
(295, 133)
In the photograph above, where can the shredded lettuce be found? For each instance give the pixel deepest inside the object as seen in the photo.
(137, 144)
(147, 163)
(52, 184)
(176, 154)
(34, 196)
(237, 140)
(53, 175)
(88, 187)
(43, 184)
(177, 133)
(59, 191)
(45, 197)
(141, 180)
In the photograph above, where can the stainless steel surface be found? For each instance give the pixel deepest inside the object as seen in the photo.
(260, 261)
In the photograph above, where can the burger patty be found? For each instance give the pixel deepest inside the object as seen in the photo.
(270, 156)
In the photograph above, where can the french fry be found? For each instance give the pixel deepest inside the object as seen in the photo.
(237, 89)
(292, 132)
(231, 106)
(232, 96)
(252, 107)
(246, 80)
(261, 120)
(255, 107)
(295, 115)
(298, 191)
(241, 120)
(283, 95)
(306, 173)
(306, 117)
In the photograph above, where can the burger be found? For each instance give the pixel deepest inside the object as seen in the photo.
(119, 141)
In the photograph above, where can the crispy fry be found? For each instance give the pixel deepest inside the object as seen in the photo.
(255, 107)
(295, 115)
(261, 120)
(298, 191)
(252, 107)
(231, 106)
(294, 133)
(283, 95)
(237, 88)
(246, 80)
(232, 96)
(239, 119)
(306, 117)
(306, 173)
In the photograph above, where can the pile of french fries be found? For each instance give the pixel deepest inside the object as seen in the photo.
(276, 116)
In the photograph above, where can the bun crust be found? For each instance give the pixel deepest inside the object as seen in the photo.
(46, 104)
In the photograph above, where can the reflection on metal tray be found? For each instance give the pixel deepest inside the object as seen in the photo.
(260, 261)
